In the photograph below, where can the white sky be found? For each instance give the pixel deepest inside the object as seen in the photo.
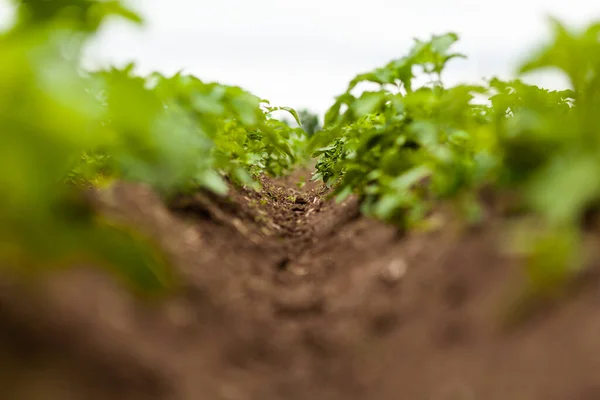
(303, 53)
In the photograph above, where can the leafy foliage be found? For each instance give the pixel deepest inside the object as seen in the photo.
(400, 150)
(404, 148)
(63, 130)
(310, 122)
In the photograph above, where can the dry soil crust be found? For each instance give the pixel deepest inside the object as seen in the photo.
(286, 295)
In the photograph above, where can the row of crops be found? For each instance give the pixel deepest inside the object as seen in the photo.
(403, 147)
(64, 129)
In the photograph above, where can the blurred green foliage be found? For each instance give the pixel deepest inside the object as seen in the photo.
(63, 129)
(404, 148)
(310, 121)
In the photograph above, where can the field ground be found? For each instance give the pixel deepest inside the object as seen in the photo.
(288, 295)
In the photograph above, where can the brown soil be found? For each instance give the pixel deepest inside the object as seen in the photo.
(287, 295)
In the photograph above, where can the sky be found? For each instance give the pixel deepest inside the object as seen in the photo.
(303, 53)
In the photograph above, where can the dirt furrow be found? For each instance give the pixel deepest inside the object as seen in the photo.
(284, 294)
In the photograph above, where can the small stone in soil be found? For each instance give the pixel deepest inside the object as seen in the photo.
(394, 271)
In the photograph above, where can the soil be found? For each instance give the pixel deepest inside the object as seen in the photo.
(285, 294)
